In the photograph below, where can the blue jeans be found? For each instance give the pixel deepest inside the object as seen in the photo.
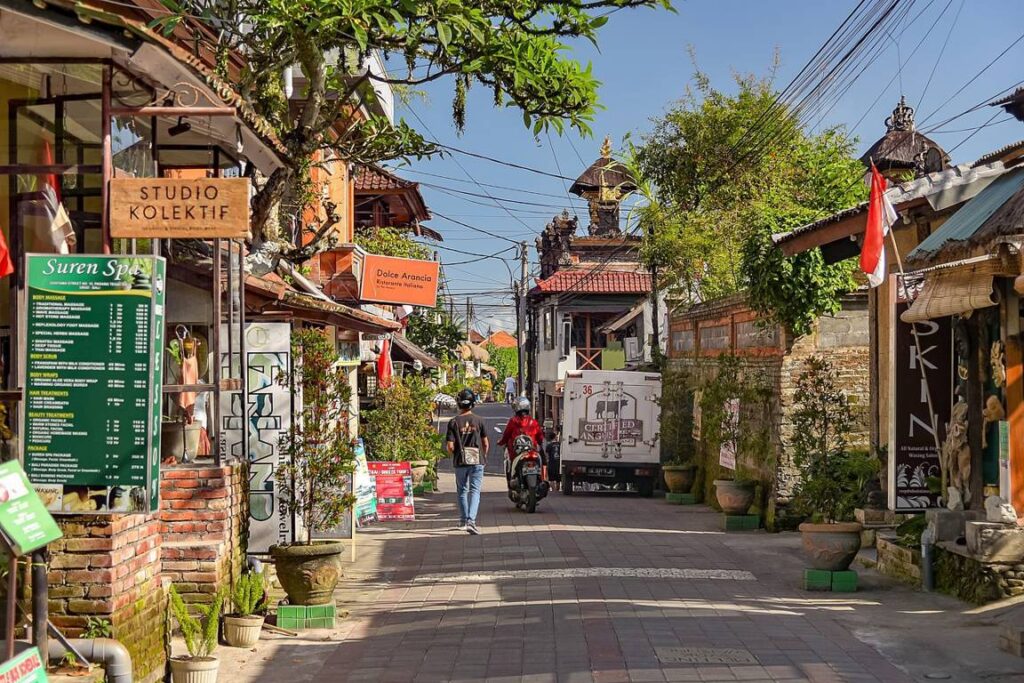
(469, 479)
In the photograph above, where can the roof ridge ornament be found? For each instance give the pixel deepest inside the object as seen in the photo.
(902, 117)
(606, 148)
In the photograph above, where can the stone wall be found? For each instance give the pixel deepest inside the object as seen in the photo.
(120, 567)
(971, 580)
(728, 326)
(898, 562)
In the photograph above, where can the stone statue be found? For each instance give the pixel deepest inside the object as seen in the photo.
(999, 511)
(992, 412)
(998, 363)
(955, 457)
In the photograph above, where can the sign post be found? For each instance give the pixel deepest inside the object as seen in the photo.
(193, 208)
(92, 371)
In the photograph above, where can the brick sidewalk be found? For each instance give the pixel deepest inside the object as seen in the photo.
(601, 589)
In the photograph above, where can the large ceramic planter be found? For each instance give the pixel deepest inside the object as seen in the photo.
(831, 546)
(679, 478)
(419, 471)
(243, 631)
(199, 670)
(734, 497)
(308, 573)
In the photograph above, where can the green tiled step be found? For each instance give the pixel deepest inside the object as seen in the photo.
(681, 498)
(300, 617)
(741, 522)
(824, 580)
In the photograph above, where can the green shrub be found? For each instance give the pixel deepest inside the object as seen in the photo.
(199, 632)
(249, 591)
(97, 627)
(833, 477)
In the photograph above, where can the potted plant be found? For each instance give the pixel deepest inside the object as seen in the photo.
(315, 475)
(399, 429)
(736, 495)
(833, 477)
(242, 629)
(677, 431)
(200, 635)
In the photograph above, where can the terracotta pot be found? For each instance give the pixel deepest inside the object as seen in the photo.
(679, 478)
(243, 631)
(734, 497)
(831, 546)
(198, 670)
(308, 573)
(419, 471)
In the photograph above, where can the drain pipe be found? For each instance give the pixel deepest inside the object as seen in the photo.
(116, 660)
(927, 570)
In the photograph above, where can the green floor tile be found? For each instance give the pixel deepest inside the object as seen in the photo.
(817, 580)
(681, 498)
(844, 582)
(742, 522)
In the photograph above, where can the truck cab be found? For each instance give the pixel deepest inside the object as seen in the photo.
(610, 429)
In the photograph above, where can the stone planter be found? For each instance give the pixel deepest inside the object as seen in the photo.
(197, 670)
(308, 573)
(679, 478)
(243, 631)
(831, 547)
(419, 471)
(734, 497)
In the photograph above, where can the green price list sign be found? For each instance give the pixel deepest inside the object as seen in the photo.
(92, 376)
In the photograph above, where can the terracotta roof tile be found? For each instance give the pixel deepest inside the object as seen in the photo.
(376, 179)
(591, 282)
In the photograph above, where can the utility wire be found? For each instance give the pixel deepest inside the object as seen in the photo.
(474, 228)
(942, 51)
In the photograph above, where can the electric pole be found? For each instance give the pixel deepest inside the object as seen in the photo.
(521, 316)
(469, 320)
(655, 313)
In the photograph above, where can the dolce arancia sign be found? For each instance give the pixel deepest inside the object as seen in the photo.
(193, 208)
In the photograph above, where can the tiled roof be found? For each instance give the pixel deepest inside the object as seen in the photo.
(596, 282)
(376, 179)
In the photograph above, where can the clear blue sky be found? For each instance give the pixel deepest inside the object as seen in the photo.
(644, 65)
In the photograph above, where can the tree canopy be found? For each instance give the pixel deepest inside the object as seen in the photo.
(519, 49)
(713, 201)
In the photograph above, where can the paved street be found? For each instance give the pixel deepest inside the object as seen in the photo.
(603, 588)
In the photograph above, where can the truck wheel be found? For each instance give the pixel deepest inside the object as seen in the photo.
(566, 485)
(645, 487)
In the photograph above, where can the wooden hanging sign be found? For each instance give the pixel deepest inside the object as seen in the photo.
(179, 208)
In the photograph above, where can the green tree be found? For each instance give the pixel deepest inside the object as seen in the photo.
(516, 48)
(391, 242)
(713, 202)
(435, 331)
(398, 427)
(505, 361)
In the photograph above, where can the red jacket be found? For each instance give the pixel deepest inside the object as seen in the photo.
(521, 425)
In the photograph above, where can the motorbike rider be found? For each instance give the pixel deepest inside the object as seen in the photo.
(521, 423)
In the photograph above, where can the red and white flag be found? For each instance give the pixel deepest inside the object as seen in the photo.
(881, 216)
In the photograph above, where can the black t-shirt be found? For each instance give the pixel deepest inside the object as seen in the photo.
(466, 431)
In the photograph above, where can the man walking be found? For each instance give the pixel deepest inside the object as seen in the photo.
(510, 389)
(467, 443)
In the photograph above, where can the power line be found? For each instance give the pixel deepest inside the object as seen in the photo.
(496, 187)
(493, 160)
(474, 228)
(942, 51)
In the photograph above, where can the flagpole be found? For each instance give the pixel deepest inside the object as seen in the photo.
(920, 361)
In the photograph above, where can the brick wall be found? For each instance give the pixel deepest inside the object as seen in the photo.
(109, 567)
(203, 515)
(120, 567)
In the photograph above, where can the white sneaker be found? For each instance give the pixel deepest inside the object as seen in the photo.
(471, 528)
(463, 526)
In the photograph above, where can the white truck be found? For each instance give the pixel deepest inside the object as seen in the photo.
(610, 425)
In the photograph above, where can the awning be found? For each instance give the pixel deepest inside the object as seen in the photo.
(955, 291)
(625, 319)
(960, 231)
(414, 353)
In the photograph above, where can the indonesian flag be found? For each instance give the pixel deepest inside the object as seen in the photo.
(385, 369)
(881, 216)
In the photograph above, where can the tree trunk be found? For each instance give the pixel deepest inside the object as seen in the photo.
(263, 204)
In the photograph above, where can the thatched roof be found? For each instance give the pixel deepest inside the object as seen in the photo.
(605, 172)
(903, 147)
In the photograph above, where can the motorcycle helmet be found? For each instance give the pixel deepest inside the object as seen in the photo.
(466, 398)
(522, 444)
(521, 405)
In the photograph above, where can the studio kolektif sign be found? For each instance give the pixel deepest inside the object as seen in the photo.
(181, 208)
